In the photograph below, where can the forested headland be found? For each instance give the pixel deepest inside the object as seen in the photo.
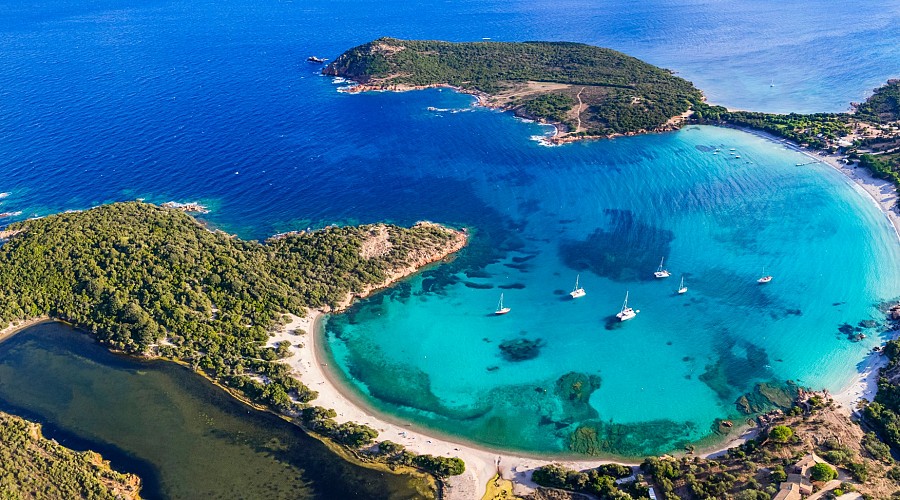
(594, 91)
(145, 279)
(32, 466)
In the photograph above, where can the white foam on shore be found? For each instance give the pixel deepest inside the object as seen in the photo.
(544, 140)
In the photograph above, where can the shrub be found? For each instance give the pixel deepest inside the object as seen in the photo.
(822, 472)
(876, 448)
(781, 434)
(894, 474)
(778, 475)
(440, 466)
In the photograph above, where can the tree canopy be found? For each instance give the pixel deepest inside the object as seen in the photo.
(620, 93)
(142, 278)
(32, 466)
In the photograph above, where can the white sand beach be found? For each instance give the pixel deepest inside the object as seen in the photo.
(481, 464)
(863, 387)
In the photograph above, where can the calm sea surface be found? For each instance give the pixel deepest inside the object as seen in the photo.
(214, 102)
(185, 437)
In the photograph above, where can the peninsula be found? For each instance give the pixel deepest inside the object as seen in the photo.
(149, 280)
(32, 466)
(590, 92)
(585, 91)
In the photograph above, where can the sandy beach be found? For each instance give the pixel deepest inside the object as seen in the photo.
(481, 464)
(864, 386)
(14, 328)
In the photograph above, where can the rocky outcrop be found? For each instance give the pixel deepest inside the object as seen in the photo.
(416, 259)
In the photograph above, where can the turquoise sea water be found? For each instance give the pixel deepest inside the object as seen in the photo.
(214, 102)
(430, 350)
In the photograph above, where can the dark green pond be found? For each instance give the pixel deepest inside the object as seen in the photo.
(185, 437)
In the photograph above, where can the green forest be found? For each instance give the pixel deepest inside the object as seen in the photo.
(621, 94)
(883, 106)
(139, 277)
(32, 466)
(883, 414)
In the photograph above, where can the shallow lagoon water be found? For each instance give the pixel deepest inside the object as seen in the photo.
(183, 436)
(213, 101)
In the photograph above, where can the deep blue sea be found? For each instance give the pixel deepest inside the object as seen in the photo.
(212, 101)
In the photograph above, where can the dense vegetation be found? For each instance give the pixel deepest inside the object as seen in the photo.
(883, 166)
(621, 94)
(883, 106)
(140, 277)
(814, 130)
(34, 467)
(600, 482)
(883, 414)
(552, 107)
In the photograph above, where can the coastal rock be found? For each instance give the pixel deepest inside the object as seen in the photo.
(193, 207)
(767, 396)
(574, 391)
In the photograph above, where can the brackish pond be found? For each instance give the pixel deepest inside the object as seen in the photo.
(185, 437)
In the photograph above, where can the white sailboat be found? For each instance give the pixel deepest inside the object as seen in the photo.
(660, 272)
(500, 309)
(682, 288)
(626, 313)
(577, 291)
(765, 278)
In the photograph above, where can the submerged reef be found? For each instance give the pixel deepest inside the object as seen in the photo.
(521, 349)
(628, 250)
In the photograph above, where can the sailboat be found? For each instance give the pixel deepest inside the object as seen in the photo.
(577, 291)
(500, 309)
(626, 313)
(662, 273)
(682, 288)
(765, 279)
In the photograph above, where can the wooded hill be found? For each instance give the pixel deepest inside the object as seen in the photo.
(620, 94)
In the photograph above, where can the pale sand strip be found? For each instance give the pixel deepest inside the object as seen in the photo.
(481, 465)
(16, 327)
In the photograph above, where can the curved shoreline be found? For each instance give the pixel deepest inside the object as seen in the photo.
(886, 197)
(482, 462)
(310, 362)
